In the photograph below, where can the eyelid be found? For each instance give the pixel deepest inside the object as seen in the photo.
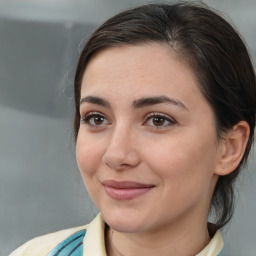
(159, 114)
(91, 113)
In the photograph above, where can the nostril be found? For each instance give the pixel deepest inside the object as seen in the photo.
(120, 161)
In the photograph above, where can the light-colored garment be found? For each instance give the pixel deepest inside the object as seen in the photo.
(93, 242)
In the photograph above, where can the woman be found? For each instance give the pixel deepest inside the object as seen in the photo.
(165, 99)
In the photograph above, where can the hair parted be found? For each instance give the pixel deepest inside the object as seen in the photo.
(214, 51)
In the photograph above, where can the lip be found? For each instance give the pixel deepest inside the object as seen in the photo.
(125, 190)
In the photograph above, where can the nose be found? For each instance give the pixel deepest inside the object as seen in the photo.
(121, 151)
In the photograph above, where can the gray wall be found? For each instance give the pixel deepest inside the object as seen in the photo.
(40, 186)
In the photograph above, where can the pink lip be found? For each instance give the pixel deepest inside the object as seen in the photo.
(125, 190)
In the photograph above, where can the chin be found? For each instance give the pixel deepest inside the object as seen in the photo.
(124, 222)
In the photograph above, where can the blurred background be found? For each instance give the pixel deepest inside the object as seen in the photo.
(40, 186)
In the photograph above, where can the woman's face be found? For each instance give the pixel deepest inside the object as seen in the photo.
(147, 146)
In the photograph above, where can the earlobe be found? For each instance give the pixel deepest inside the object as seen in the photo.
(232, 148)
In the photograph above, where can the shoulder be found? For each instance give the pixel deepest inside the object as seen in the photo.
(42, 245)
(68, 241)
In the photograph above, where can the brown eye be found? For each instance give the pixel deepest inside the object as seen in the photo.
(158, 121)
(95, 120)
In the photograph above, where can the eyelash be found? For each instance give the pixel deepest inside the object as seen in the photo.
(89, 116)
(166, 118)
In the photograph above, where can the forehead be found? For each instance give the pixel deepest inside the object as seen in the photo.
(135, 71)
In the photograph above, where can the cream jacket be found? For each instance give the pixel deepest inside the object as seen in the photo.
(93, 243)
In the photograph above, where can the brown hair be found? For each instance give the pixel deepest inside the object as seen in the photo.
(212, 48)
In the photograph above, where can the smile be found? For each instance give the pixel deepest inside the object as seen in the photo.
(125, 190)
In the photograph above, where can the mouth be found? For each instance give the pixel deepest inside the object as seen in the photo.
(125, 190)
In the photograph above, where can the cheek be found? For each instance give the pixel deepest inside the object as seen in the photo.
(88, 154)
(185, 171)
(183, 160)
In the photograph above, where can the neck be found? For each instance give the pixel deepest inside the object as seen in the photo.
(174, 240)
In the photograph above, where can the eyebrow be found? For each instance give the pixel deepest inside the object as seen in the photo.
(148, 101)
(140, 103)
(95, 100)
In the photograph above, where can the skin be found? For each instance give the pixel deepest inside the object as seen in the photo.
(179, 155)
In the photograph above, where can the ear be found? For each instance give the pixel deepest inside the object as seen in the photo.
(232, 148)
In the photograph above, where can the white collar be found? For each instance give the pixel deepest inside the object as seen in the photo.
(94, 240)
